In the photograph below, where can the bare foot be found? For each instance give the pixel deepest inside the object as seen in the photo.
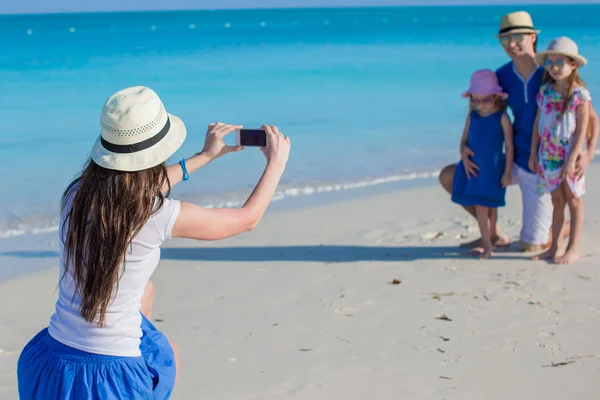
(498, 241)
(487, 253)
(534, 248)
(547, 255)
(501, 241)
(476, 252)
(567, 258)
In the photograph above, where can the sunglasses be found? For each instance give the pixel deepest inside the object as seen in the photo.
(559, 64)
(484, 100)
(515, 37)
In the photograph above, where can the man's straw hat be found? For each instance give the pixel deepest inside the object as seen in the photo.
(516, 22)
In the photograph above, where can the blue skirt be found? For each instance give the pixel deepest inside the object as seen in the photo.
(48, 369)
(483, 190)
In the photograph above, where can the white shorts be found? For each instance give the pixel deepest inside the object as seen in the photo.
(537, 207)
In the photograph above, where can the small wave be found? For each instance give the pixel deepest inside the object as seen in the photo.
(27, 231)
(308, 190)
(290, 192)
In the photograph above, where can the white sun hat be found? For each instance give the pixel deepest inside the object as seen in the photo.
(562, 46)
(136, 131)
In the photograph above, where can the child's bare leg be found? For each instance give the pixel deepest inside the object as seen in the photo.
(499, 238)
(478, 248)
(483, 218)
(558, 219)
(493, 222)
(576, 210)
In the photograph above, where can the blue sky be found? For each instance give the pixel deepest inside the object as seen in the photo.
(53, 6)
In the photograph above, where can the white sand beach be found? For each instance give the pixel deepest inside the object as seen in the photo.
(303, 307)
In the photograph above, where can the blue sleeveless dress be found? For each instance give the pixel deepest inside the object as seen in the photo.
(486, 139)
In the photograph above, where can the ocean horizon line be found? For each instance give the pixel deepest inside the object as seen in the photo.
(303, 8)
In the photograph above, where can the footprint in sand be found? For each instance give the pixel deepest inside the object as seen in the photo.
(472, 228)
(553, 347)
(433, 235)
(450, 361)
(380, 236)
(288, 388)
(347, 311)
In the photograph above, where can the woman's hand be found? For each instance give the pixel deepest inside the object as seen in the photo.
(214, 146)
(200, 223)
(278, 146)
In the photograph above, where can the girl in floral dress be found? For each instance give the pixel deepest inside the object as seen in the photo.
(559, 134)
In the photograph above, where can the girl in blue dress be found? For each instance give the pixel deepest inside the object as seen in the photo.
(487, 131)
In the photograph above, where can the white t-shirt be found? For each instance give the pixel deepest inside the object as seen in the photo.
(120, 336)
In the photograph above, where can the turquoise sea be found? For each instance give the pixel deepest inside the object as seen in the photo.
(368, 95)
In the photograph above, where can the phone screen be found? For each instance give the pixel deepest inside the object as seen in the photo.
(253, 137)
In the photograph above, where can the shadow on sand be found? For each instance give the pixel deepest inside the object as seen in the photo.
(309, 253)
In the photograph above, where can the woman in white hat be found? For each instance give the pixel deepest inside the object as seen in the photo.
(100, 343)
(521, 78)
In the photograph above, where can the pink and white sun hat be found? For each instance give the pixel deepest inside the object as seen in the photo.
(484, 82)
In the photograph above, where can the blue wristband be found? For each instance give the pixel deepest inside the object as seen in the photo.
(186, 176)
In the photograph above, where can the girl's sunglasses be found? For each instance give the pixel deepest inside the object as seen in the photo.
(515, 37)
(559, 64)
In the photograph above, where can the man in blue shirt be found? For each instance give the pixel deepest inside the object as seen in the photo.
(521, 78)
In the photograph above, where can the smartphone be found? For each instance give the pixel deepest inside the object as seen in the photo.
(251, 137)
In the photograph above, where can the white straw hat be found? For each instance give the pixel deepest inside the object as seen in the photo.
(516, 22)
(562, 46)
(136, 131)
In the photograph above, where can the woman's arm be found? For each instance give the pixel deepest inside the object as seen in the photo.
(195, 222)
(175, 172)
(214, 147)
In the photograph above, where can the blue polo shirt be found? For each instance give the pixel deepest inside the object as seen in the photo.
(523, 105)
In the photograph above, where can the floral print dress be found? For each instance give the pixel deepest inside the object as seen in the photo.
(557, 137)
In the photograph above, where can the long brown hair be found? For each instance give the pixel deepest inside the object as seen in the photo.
(103, 211)
(573, 81)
